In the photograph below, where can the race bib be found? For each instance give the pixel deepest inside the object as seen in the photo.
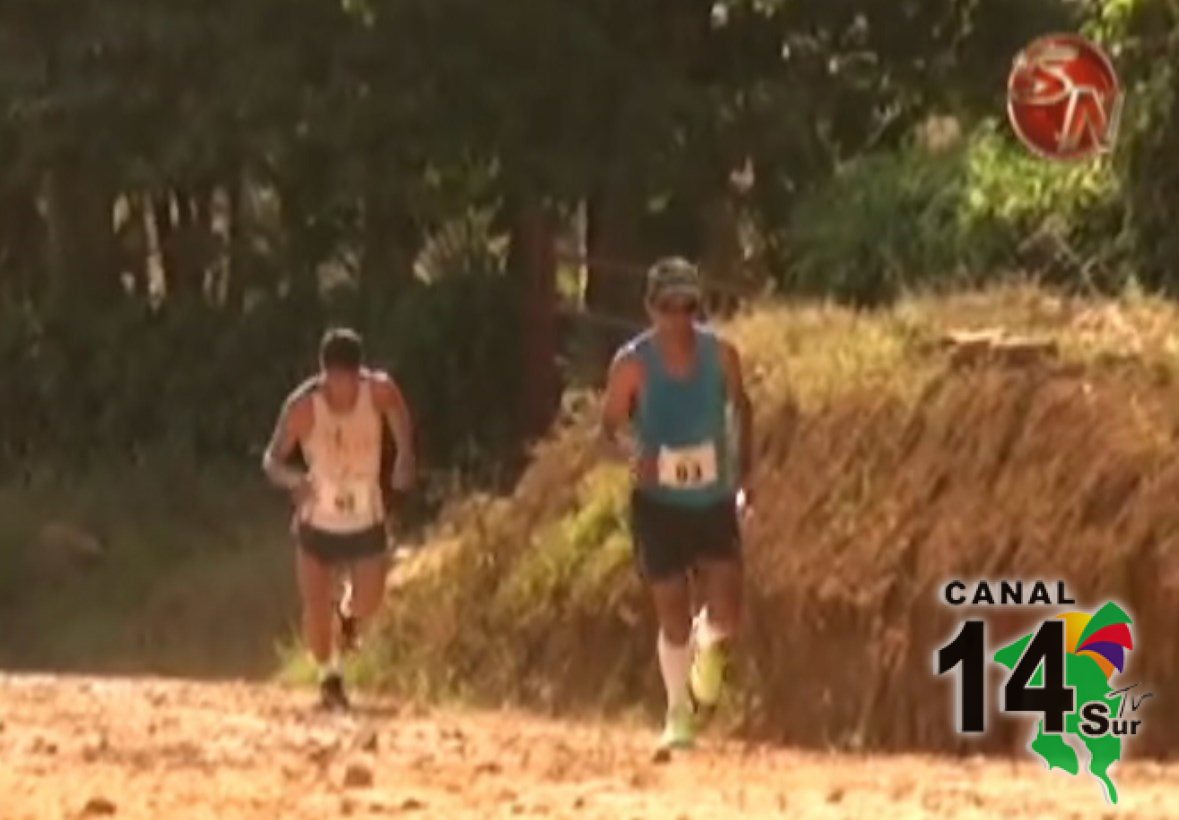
(345, 501)
(688, 467)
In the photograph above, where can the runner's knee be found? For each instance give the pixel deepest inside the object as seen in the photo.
(366, 597)
(315, 585)
(723, 596)
(675, 623)
(673, 609)
(678, 633)
(317, 607)
(726, 618)
(368, 585)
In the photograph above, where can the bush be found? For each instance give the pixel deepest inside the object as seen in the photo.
(912, 219)
(885, 222)
(1143, 36)
(530, 587)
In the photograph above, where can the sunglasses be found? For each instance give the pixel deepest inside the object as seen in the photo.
(680, 306)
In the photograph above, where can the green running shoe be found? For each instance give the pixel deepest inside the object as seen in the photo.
(679, 732)
(707, 676)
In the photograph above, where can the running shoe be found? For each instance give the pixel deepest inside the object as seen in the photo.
(679, 731)
(706, 679)
(331, 694)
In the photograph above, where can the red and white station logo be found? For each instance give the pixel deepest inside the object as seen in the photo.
(1063, 98)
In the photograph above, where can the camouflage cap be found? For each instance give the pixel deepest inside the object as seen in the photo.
(673, 276)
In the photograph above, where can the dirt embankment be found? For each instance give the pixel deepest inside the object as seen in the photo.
(1045, 472)
(869, 497)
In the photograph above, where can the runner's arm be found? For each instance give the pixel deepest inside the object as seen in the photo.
(735, 387)
(395, 412)
(622, 388)
(292, 424)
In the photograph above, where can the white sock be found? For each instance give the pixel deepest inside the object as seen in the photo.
(706, 631)
(674, 663)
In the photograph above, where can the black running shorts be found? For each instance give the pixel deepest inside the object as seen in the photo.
(670, 539)
(342, 548)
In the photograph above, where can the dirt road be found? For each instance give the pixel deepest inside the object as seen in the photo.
(78, 747)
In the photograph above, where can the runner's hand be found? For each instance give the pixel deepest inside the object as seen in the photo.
(398, 504)
(744, 502)
(645, 470)
(303, 493)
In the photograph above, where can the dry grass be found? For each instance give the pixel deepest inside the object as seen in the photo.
(186, 570)
(883, 470)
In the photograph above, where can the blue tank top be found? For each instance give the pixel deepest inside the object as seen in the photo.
(682, 417)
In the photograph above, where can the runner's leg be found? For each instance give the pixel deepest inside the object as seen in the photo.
(721, 585)
(673, 610)
(315, 592)
(663, 561)
(368, 590)
(719, 571)
(716, 627)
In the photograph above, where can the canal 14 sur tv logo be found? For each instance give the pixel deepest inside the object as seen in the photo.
(1062, 671)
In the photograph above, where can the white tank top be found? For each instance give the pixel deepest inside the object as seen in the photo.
(343, 453)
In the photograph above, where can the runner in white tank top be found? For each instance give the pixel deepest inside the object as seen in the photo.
(343, 454)
(339, 420)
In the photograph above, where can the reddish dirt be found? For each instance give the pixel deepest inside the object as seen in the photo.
(146, 748)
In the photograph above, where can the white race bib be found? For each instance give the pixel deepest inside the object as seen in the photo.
(344, 504)
(687, 467)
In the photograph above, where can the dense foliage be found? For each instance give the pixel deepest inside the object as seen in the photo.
(181, 181)
(912, 219)
(917, 216)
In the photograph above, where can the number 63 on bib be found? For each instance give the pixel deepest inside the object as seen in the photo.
(687, 467)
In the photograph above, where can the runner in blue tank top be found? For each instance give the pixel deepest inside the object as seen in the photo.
(675, 384)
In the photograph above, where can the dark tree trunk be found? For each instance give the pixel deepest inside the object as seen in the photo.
(618, 236)
(301, 260)
(134, 247)
(392, 239)
(83, 255)
(729, 275)
(236, 236)
(161, 206)
(613, 217)
(194, 241)
(185, 275)
(532, 261)
(22, 241)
